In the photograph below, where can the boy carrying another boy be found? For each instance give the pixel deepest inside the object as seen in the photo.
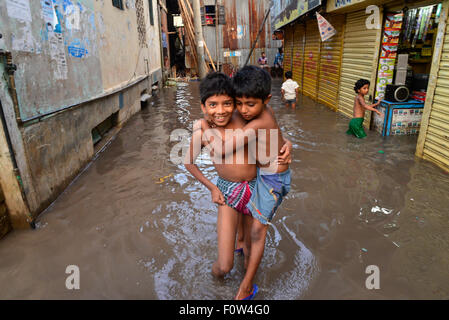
(236, 180)
(356, 124)
(289, 90)
(252, 87)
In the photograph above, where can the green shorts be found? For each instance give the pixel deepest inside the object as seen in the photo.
(356, 128)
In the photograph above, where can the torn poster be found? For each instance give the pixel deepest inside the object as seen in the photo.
(22, 38)
(327, 31)
(19, 9)
(57, 52)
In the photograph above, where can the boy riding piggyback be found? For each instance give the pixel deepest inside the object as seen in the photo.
(236, 179)
(262, 135)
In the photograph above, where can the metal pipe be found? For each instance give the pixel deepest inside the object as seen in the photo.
(217, 26)
(10, 68)
(257, 38)
(199, 39)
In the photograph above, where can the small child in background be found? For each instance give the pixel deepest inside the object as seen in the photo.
(289, 90)
(356, 124)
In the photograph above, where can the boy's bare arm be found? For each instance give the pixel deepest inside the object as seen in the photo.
(194, 150)
(249, 134)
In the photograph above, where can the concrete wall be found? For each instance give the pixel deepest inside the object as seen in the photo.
(69, 79)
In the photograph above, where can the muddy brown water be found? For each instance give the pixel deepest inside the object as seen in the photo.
(134, 235)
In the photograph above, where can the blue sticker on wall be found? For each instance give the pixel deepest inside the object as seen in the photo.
(77, 50)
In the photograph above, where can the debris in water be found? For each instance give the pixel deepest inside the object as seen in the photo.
(161, 180)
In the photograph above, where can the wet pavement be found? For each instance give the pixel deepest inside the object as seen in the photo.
(140, 227)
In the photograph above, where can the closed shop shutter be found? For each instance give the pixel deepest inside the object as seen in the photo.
(330, 63)
(288, 47)
(359, 61)
(436, 132)
(298, 54)
(311, 59)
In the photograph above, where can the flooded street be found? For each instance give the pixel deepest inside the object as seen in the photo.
(140, 227)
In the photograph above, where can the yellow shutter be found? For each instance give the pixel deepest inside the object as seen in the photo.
(330, 63)
(433, 142)
(288, 46)
(360, 57)
(298, 54)
(311, 59)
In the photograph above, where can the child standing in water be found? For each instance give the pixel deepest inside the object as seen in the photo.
(289, 90)
(252, 87)
(356, 124)
(236, 179)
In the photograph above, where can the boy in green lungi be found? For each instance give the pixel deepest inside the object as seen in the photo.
(356, 124)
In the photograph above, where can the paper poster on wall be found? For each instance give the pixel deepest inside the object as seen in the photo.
(57, 53)
(19, 9)
(22, 39)
(384, 76)
(388, 53)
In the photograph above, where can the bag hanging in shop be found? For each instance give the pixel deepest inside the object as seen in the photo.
(327, 31)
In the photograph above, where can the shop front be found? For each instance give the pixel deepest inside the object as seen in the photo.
(330, 63)
(315, 64)
(407, 48)
(359, 59)
(433, 140)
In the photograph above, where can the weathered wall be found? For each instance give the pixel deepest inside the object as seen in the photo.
(122, 57)
(73, 72)
(243, 21)
(55, 162)
(54, 47)
(5, 224)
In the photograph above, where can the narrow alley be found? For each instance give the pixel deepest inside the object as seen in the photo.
(140, 227)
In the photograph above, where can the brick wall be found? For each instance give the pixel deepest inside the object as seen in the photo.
(5, 225)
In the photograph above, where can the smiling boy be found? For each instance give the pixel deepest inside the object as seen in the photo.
(236, 178)
(252, 87)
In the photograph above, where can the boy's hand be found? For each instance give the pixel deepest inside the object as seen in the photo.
(217, 196)
(285, 157)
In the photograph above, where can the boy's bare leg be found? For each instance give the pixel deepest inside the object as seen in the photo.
(258, 235)
(240, 233)
(227, 221)
(247, 225)
(293, 105)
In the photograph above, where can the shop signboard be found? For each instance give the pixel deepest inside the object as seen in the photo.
(333, 5)
(284, 12)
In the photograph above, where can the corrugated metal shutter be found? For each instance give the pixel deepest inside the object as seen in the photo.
(330, 63)
(298, 54)
(288, 46)
(436, 145)
(311, 59)
(360, 55)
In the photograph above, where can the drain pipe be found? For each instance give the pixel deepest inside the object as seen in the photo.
(257, 38)
(10, 69)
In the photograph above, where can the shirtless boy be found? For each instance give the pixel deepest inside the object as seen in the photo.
(356, 124)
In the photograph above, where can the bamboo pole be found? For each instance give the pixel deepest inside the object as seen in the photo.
(189, 28)
(190, 13)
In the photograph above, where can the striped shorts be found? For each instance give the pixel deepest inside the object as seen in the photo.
(237, 194)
